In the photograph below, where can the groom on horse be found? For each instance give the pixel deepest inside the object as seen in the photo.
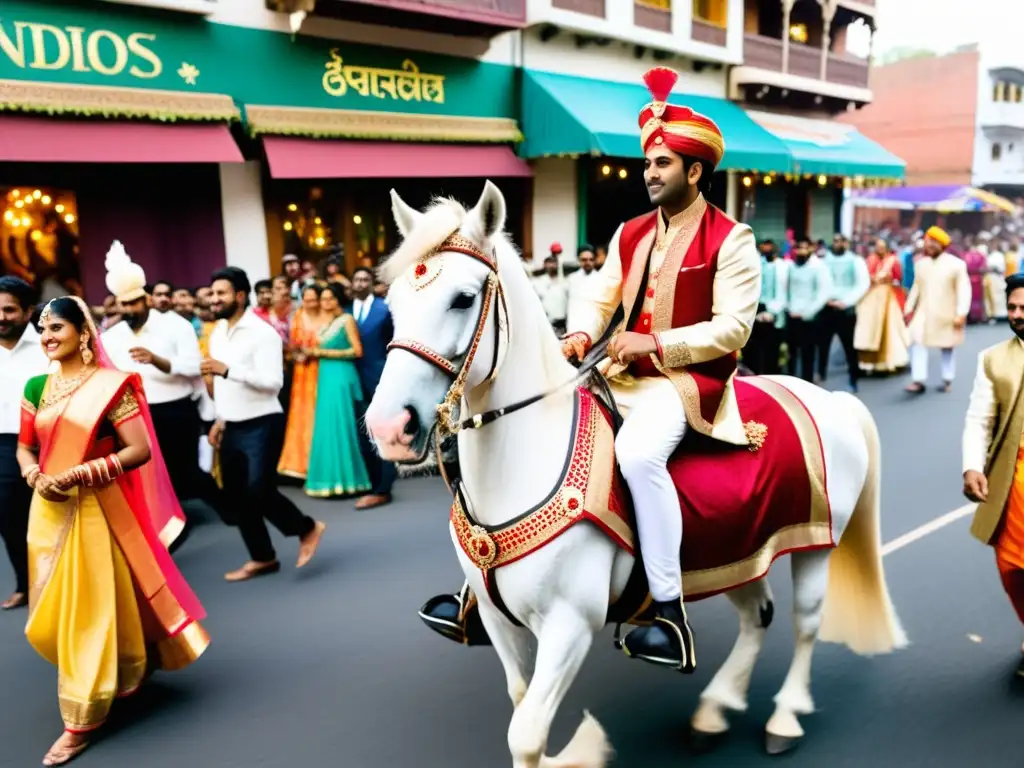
(688, 279)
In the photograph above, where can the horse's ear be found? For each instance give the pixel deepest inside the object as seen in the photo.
(406, 217)
(490, 211)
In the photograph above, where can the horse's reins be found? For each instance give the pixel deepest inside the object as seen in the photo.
(448, 426)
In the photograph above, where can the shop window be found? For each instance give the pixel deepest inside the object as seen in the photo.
(999, 91)
(712, 11)
(351, 221)
(997, 151)
(39, 239)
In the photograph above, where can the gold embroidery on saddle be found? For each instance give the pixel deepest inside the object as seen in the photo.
(756, 433)
(582, 494)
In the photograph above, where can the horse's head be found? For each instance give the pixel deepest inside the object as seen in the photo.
(445, 297)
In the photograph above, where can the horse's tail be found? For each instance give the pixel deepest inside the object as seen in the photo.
(858, 611)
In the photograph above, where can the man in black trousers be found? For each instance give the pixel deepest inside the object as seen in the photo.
(21, 358)
(376, 330)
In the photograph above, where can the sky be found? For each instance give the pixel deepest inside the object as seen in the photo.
(942, 25)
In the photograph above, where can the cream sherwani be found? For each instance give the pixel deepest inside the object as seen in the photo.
(941, 294)
(656, 420)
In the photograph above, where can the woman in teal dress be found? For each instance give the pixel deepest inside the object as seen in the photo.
(336, 465)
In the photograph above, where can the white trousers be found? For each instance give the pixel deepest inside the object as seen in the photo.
(919, 364)
(653, 427)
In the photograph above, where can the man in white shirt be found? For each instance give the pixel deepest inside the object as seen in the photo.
(993, 452)
(246, 361)
(581, 280)
(163, 349)
(21, 358)
(553, 289)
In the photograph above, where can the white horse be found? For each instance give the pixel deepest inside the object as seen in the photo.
(561, 593)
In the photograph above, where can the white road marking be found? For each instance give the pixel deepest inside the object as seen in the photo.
(928, 528)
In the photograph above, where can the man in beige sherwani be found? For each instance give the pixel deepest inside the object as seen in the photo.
(938, 305)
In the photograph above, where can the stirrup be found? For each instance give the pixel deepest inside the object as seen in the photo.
(456, 617)
(667, 642)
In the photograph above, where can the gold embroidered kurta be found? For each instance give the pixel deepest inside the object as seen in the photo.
(992, 430)
(736, 292)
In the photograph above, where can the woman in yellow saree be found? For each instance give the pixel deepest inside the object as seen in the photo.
(107, 605)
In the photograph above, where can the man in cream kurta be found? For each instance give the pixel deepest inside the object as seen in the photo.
(993, 452)
(939, 303)
(655, 415)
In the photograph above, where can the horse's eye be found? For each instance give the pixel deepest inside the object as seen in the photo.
(463, 301)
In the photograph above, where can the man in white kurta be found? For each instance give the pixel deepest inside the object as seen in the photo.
(938, 305)
(656, 418)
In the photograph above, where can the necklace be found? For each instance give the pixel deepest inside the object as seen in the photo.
(58, 388)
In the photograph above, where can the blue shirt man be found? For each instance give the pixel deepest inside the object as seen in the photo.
(850, 281)
(809, 288)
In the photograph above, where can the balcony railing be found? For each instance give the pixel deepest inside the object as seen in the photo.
(1005, 114)
(652, 15)
(486, 16)
(762, 52)
(705, 32)
(587, 7)
(846, 70)
(804, 61)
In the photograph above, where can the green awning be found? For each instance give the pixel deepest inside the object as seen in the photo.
(830, 148)
(566, 115)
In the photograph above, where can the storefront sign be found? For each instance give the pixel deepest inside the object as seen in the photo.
(88, 43)
(406, 83)
(45, 46)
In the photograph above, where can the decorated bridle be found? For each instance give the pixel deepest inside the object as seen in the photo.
(425, 272)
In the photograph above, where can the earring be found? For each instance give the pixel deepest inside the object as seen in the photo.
(86, 352)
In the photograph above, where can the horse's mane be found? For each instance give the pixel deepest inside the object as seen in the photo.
(443, 216)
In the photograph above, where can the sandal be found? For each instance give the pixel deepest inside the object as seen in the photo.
(62, 752)
(17, 600)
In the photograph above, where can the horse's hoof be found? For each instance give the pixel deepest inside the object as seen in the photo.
(701, 743)
(780, 745)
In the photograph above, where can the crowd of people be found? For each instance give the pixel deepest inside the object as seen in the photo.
(859, 290)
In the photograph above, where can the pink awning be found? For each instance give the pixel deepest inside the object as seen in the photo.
(295, 158)
(27, 139)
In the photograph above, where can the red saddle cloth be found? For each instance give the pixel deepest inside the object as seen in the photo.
(744, 508)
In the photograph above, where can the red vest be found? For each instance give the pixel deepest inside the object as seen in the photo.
(694, 296)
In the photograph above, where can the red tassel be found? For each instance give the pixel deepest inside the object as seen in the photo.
(659, 81)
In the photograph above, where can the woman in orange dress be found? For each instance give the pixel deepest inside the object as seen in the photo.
(881, 337)
(305, 337)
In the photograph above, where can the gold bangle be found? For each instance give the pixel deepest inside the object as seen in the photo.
(117, 464)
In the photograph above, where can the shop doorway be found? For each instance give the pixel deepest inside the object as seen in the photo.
(616, 193)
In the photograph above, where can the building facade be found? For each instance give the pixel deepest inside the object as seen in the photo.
(213, 135)
(209, 132)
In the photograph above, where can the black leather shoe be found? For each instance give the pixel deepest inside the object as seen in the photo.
(456, 617)
(667, 642)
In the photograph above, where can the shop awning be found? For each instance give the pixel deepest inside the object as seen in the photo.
(28, 139)
(945, 198)
(830, 148)
(297, 158)
(565, 115)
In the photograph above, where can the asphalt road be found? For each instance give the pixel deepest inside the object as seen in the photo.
(331, 666)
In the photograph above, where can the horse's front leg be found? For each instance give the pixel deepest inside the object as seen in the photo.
(563, 643)
(512, 644)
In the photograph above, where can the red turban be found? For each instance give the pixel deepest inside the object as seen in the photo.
(680, 129)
